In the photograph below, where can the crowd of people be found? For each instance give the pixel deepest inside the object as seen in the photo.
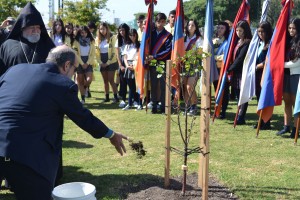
(75, 51)
(36, 91)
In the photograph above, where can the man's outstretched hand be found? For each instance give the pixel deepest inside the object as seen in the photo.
(117, 141)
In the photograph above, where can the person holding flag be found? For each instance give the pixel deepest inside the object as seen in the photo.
(264, 31)
(161, 47)
(291, 75)
(220, 43)
(244, 35)
(242, 14)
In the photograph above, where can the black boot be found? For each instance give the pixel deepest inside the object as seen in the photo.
(286, 129)
(116, 99)
(293, 133)
(106, 98)
(266, 126)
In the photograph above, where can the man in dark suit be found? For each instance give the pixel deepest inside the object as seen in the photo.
(32, 108)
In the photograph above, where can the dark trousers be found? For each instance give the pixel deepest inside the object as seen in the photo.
(156, 85)
(243, 107)
(225, 99)
(25, 182)
(132, 91)
(123, 86)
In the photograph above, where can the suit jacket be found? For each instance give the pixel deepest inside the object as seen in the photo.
(33, 101)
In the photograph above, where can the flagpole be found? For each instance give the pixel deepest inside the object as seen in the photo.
(297, 130)
(150, 50)
(259, 123)
(236, 116)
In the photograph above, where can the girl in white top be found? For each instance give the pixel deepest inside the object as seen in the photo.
(59, 35)
(291, 75)
(84, 44)
(123, 39)
(107, 59)
(192, 40)
(130, 56)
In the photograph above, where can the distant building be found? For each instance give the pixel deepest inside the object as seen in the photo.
(117, 21)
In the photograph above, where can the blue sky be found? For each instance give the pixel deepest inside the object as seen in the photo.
(123, 9)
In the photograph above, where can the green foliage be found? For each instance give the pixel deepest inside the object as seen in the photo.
(266, 167)
(81, 12)
(223, 9)
(191, 62)
(11, 8)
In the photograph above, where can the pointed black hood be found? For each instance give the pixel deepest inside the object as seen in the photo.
(29, 16)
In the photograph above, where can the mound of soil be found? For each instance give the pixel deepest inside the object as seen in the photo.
(193, 192)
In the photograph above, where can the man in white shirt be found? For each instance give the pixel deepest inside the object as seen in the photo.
(170, 26)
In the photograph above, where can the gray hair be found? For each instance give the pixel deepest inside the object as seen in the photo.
(60, 55)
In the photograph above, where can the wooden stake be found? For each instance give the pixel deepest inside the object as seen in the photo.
(258, 124)
(168, 122)
(297, 130)
(236, 116)
(204, 129)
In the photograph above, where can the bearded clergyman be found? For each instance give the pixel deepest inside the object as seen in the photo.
(28, 41)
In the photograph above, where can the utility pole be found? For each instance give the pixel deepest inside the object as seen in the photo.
(51, 10)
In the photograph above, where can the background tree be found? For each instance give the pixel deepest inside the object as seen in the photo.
(223, 10)
(81, 12)
(11, 8)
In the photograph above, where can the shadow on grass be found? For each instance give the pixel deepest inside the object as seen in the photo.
(76, 144)
(8, 196)
(269, 192)
(117, 186)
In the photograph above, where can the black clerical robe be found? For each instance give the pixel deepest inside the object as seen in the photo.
(14, 52)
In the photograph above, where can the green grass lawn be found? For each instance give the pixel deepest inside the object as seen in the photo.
(266, 167)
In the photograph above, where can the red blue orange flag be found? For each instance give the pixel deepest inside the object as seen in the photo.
(272, 80)
(242, 14)
(178, 49)
(249, 66)
(144, 50)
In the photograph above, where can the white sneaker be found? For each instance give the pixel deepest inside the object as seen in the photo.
(135, 104)
(82, 102)
(139, 108)
(149, 106)
(122, 104)
(127, 107)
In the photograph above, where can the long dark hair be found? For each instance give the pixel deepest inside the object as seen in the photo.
(267, 27)
(63, 30)
(86, 29)
(197, 31)
(245, 26)
(72, 36)
(126, 37)
(227, 31)
(295, 41)
(134, 32)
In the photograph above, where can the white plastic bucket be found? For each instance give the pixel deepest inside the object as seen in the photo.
(74, 191)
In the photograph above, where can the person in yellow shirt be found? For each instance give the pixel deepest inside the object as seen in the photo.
(84, 45)
(107, 59)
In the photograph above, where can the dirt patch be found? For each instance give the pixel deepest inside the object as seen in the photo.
(149, 191)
